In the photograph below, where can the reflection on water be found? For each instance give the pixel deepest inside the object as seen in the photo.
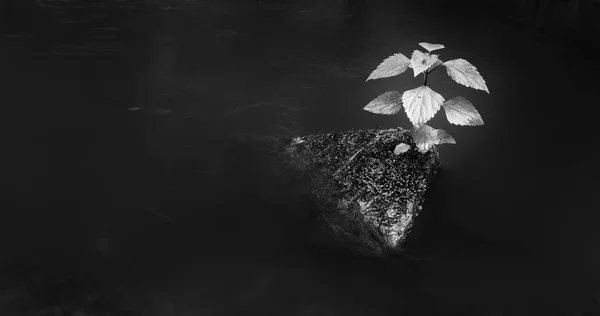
(121, 172)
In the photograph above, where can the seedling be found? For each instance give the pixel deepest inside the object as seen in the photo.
(422, 103)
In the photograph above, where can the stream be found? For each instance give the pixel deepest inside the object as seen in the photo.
(120, 172)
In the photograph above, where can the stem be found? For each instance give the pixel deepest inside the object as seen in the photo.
(434, 68)
(427, 72)
(425, 78)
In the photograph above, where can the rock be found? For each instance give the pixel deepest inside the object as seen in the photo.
(368, 196)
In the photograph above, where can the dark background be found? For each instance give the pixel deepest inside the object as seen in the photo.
(113, 116)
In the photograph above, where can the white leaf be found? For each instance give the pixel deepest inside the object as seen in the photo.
(401, 148)
(431, 47)
(444, 137)
(421, 104)
(388, 103)
(391, 66)
(420, 61)
(460, 111)
(425, 137)
(466, 74)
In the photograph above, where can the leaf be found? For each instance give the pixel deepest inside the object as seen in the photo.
(460, 111)
(425, 137)
(420, 61)
(466, 74)
(421, 104)
(401, 148)
(431, 47)
(388, 103)
(444, 137)
(391, 66)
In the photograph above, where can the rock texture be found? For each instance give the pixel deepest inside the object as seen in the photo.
(368, 196)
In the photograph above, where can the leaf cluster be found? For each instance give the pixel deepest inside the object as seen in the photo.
(422, 103)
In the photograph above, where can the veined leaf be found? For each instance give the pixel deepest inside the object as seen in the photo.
(421, 104)
(388, 103)
(426, 136)
(444, 137)
(391, 66)
(431, 47)
(460, 111)
(401, 148)
(420, 61)
(466, 74)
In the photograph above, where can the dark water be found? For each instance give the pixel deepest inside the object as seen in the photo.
(98, 147)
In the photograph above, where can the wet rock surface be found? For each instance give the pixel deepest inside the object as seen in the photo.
(367, 196)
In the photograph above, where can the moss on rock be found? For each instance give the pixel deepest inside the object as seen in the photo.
(367, 196)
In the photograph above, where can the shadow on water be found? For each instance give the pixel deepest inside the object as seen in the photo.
(121, 175)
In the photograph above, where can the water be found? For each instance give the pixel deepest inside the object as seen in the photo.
(119, 170)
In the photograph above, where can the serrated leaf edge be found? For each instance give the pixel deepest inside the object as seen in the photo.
(445, 64)
(434, 96)
(398, 107)
(389, 60)
(458, 99)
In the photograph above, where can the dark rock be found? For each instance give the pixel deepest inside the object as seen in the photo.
(368, 197)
